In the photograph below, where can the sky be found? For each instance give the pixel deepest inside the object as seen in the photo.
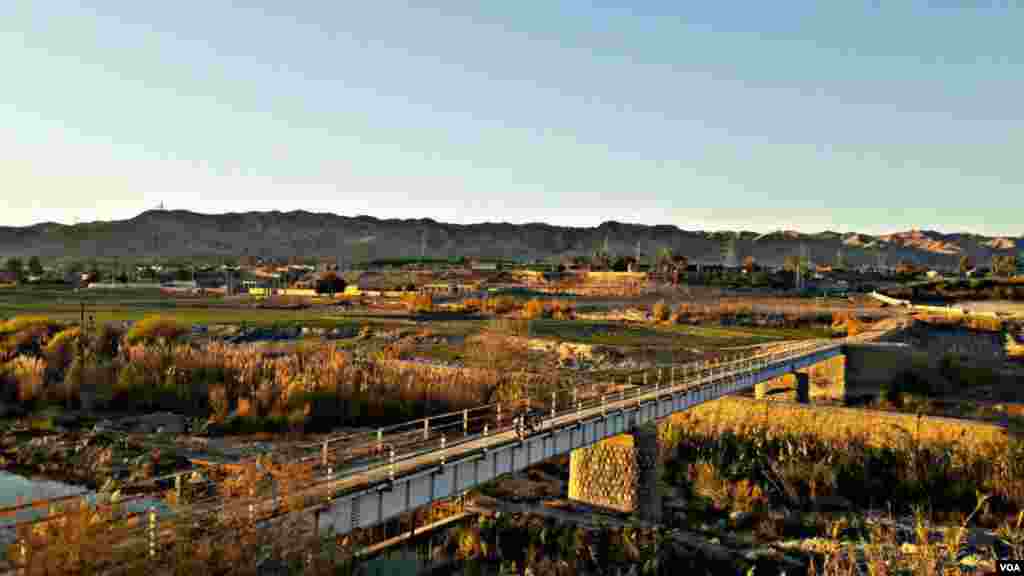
(873, 117)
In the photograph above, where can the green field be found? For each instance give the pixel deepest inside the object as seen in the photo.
(619, 334)
(109, 306)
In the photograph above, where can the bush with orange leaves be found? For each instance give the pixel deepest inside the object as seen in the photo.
(844, 321)
(419, 303)
(562, 310)
(472, 305)
(534, 309)
(502, 305)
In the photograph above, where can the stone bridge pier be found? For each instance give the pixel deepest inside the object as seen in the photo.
(619, 473)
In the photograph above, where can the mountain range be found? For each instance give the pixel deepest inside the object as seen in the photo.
(176, 234)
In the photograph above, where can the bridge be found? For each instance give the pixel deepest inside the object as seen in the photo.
(358, 481)
(441, 465)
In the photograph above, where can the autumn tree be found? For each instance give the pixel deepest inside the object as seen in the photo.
(15, 267)
(35, 267)
(965, 265)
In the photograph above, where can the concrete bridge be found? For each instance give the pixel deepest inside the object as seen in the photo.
(605, 470)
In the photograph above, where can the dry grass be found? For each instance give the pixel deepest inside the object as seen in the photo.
(938, 458)
(743, 416)
(29, 376)
(155, 329)
(293, 385)
(955, 318)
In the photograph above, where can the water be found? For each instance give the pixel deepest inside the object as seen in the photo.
(15, 489)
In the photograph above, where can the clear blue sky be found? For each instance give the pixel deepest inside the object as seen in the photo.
(715, 115)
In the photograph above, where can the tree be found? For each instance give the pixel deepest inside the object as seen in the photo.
(1004, 265)
(792, 263)
(16, 268)
(622, 263)
(35, 267)
(679, 265)
(840, 263)
(330, 283)
(601, 260)
(965, 265)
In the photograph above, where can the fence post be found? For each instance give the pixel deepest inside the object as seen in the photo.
(498, 423)
(604, 408)
(576, 398)
(554, 403)
(380, 440)
(443, 442)
(672, 375)
(152, 532)
(391, 462)
(465, 422)
(426, 428)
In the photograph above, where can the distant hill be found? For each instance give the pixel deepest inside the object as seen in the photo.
(183, 234)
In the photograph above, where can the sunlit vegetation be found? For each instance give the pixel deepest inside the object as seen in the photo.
(795, 456)
(251, 385)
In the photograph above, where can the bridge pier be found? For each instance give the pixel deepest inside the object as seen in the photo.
(794, 386)
(825, 380)
(619, 473)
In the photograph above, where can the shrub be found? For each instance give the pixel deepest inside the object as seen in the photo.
(107, 341)
(155, 328)
(533, 309)
(563, 310)
(472, 304)
(61, 349)
(20, 323)
(24, 335)
(502, 304)
(29, 375)
(418, 303)
(661, 311)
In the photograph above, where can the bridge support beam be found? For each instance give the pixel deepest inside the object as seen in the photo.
(620, 473)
